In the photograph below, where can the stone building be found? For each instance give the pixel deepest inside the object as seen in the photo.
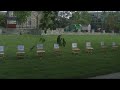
(32, 21)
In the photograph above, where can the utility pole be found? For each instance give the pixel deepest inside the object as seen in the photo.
(97, 20)
(103, 20)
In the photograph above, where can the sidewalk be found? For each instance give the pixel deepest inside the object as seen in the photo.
(108, 76)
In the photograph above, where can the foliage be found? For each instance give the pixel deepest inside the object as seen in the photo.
(54, 19)
(2, 20)
(42, 40)
(82, 17)
(62, 22)
(22, 16)
(112, 21)
(63, 19)
(61, 41)
(46, 20)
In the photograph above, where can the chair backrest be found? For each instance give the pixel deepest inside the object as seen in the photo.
(56, 46)
(74, 45)
(1, 48)
(88, 44)
(113, 43)
(20, 47)
(102, 43)
(39, 46)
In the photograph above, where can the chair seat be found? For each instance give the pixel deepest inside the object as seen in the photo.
(40, 51)
(90, 48)
(75, 49)
(114, 46)
(20, 52)
(1, 53)
(103, 46)
(56, 49)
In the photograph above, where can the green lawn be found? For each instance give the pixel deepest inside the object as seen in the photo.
(64, 66)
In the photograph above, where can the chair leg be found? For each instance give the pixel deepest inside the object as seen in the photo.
(20, 56)
(2, 56)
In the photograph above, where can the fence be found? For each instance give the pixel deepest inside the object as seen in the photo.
(49, 32)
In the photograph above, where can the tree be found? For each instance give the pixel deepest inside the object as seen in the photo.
(2, 20)
(85, 17)
(47, 20)
(22, 16)
(62, 22)
(62, 19)
(54, 19)
(81, 17)
(112, 21)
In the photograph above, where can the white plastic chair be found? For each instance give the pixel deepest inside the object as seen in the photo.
(40, 50)
(56, 46)
(40, 46)
(74, 45)
(2, 52)
(20, 48)
(20, 53)
(89, 48)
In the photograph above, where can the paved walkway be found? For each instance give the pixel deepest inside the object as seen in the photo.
(108, 76)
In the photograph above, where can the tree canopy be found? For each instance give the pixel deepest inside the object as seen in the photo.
(46, 20)
(81, 17)
(112, 21)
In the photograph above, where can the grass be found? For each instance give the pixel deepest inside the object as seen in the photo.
(66, 66)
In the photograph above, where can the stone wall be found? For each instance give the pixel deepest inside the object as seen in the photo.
(58, 31)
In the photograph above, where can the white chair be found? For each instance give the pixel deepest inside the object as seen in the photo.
(1, 51)
(20, 51)
(75, 49)
(103, 46)
(40, 46)
(74, 45)
(56, 49)
(56, 46)
(102, 43)
(89, 48)
(40, 50)
(114, 46)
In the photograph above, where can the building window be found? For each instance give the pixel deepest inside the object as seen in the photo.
(29, 22)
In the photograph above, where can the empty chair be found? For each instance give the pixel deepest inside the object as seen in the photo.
(56, 46)
(2, 52)
(20, 51)
(75, 49)
(114, 46)
(103, 46)
(56, 49)
(40, 50)
(89, 48)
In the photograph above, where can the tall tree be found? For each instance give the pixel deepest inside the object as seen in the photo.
(2, 20)
(46, 21)
(111, 20)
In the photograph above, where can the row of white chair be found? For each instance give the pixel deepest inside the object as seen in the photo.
(40, 48)
(20, 48)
